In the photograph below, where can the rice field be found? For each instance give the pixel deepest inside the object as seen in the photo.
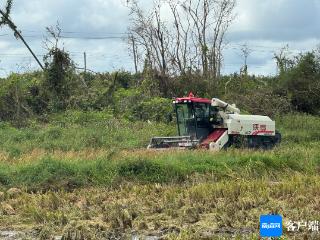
(86, 176)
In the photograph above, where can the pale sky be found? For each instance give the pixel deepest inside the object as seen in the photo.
(97, 27)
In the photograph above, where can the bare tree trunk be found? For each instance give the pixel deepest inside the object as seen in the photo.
(135, 53)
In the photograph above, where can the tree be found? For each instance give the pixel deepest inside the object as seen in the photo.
(283, 60)
(59, 69)
(210, 21)
(302, 83)
(6, 21)
(134, 50)
(180, 54)
(151, 34)
(191, 38)
(245, 53)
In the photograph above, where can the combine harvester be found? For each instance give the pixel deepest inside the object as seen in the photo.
(215, 125)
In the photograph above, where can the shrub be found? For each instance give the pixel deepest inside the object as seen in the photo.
(125, 101)
(155, 109)
(302, 83)
(132, 104)
(14, 95)
(149, 171)
(71, 117)
(60, 80)
(263, 102)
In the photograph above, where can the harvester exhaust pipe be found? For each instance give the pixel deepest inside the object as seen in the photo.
(227, 107)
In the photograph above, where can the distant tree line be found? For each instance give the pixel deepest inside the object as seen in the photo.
(170, 62)
(136, 96)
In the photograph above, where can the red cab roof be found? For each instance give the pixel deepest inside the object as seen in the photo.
(191, 98)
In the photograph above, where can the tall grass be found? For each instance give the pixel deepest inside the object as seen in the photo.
(89, 130)
(54, 168)
(169, 167)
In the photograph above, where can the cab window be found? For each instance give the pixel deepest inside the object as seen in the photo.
(202, 114)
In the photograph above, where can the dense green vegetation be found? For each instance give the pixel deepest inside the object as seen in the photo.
(144, 96)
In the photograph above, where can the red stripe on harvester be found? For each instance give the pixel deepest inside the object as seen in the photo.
(258, 132)
(213, 137)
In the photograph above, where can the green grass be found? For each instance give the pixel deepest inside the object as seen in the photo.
(50, 173)
(76, 135)
(299, 152)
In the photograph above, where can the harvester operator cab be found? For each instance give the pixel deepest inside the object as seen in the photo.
(195, 117)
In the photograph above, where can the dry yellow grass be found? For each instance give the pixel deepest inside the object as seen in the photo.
(189, 211)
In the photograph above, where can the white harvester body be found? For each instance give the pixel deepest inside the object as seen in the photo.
(250, 125)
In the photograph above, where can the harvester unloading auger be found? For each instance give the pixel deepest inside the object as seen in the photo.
(214, 124)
